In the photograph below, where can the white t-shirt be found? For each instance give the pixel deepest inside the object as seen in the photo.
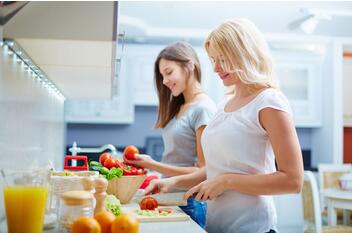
(235, 142)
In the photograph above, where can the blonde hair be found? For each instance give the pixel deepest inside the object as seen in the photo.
(245, 52)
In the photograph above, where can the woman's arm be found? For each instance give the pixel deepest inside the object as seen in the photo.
(146, 161)
(181, 182)
(288, 178)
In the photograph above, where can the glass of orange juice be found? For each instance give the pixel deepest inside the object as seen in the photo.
(25, 196)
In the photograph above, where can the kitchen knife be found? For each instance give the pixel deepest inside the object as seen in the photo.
(170, 199)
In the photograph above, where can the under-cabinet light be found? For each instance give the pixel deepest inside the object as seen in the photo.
(31, 67)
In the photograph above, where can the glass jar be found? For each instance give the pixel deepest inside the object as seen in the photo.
(75, 204)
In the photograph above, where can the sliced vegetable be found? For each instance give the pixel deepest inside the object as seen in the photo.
(104, 170)
(113, 205)
(95, 163)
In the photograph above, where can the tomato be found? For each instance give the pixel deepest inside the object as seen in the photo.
(109, 163)
(104, 157)
(148, 203)
(130, 151)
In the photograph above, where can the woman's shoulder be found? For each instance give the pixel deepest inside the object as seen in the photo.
(204, 107)
(272, 94)
(205, 102)
(273, 98)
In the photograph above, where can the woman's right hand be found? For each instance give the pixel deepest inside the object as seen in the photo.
(141, 160)
(160, 186)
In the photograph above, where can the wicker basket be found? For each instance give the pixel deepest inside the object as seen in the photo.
(125, 187)
(60, 184)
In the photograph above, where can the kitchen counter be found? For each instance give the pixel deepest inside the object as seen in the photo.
(188, 226)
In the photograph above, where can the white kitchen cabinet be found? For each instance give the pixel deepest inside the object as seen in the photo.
(139, 62)
(117, 110)
(300, 78)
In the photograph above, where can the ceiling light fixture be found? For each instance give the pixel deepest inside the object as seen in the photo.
(313, 17)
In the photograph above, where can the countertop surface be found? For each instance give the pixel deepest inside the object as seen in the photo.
(188, 226)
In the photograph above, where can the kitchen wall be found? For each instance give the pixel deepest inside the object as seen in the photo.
(117, 134)
(136, 133)
(32, 127)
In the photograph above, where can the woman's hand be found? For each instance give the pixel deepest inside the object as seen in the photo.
(208, 189)
(160, 186)
(141, 160)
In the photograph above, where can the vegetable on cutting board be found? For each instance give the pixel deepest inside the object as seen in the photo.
(148, 203)
(112, 204)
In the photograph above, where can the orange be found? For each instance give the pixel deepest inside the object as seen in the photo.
(105, 219)
(85, 225)
(125, 223)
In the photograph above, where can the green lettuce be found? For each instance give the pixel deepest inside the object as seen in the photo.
(112, 204)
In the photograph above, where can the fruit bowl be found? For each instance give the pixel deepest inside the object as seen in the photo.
(125, 187)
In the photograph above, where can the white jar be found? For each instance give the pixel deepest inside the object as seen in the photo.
(75, 204)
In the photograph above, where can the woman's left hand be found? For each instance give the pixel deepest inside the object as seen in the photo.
(208, 189)
(141, 160)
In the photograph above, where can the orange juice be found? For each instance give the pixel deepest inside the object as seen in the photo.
(25, 208)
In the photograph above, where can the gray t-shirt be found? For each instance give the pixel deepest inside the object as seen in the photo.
(179, 135)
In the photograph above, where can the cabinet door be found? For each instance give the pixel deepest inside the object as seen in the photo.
(117, 110)
(299, 76)
(139, 60)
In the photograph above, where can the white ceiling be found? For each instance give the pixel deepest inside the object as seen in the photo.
(182, 18)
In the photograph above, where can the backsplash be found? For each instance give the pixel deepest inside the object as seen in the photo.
(32, 127)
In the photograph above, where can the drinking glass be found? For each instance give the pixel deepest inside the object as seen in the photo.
(25, 196)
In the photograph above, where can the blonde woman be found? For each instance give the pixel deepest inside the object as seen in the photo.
(183, 113)
(251, 130)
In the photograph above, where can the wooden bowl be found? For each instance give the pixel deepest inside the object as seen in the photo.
(125, 187)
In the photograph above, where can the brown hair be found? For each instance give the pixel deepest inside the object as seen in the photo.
(183, 54)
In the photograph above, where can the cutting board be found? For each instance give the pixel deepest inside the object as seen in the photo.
(175, 216)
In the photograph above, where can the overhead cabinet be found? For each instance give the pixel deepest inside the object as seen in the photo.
(73, 43)
(117, 110)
